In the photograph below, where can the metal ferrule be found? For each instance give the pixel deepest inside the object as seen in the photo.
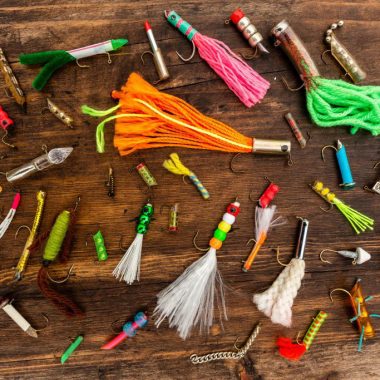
(249, 31)
(159, 62)
(255, 40)
(243, 23)
(302, 237)
(267, 146)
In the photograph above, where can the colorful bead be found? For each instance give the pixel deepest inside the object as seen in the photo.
(100, 247)
(228, 218)
(325, 191)
(144, 219)
(220, 235)
(224, 226)
(234, 208)
(215, 243)
(318, 186)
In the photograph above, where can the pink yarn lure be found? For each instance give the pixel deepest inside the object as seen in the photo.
(248, 85)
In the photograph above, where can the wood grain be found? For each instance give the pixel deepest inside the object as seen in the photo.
(160, 353)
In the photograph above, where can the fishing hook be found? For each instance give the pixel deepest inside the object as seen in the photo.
(327, 146)
(339, 289)
(69, 274)
(195, 244)
(289, 88)
(232, 167)
(321, 255)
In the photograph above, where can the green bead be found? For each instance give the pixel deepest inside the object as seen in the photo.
(147, 210)
(144, 219)
(141, 229)
(220, 235)
(100, 247)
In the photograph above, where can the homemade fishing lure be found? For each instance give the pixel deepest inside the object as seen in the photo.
(276, 302)
(110, 184)
(70, 350)
(175, 166)
(5, 123)
(295, 129)
(360, 256)
(11, 213)
(173, 217)
(100, 246)
(128, 268)
(249, 86)
(54, 59)
(189, 300)
(295, 351)
(148, 118)
(146, 175)
(358, 221)
(24, 258)
(330, 102)
(362, 316)
(129, 330)
(59, 114)
(268, 195)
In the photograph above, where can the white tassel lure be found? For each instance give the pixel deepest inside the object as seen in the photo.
(276, 302)
(128, 268)
(189, 300)
(12, 212)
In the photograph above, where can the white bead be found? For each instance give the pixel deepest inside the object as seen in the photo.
(340, 23)
(333, 26)
(229, 218)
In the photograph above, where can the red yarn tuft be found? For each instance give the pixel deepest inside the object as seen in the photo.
(290, 350)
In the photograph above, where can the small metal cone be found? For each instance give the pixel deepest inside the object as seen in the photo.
(262, 48)
(363, 256)
(32, 332)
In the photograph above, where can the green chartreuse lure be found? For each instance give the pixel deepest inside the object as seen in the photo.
(128, 268)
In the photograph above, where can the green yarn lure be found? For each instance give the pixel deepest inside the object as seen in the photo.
(330, 103)
(55, 59)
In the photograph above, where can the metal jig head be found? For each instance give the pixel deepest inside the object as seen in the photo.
(360, 256)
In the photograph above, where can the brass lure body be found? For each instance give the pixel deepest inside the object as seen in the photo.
(173, 218)
(21, 265)
(59, 114)
(11, 81)
(342, 55)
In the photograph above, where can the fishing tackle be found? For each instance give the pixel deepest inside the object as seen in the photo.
(295, 351)
(128, 268)
(146, 174)
(111, 183)
(360, 256)
(358, 221)
(53, 157)
(248, 85)
(5, 122)
(249, 31)
(70, 350)
(59, 114)
(330, 102)
(11, 213)
(344, 165)
(276, 302)
(54, 59)
(295, 129)
(189, 300)
(374, 189)
(227, 355)
(8, 308)
(129, 331)
(11, 82)
(362, 316)
(263, 222)
(173, 217)
(23, 261)
(100, 246)
(172, 122)
(175, 166)
(59, 242)
(156, 53)
(268, 195)
(342, 55)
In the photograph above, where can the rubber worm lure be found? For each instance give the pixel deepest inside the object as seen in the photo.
(175, 166)
(128, 268)
(55, 59)
(189, 300)
(358, 221)
(70, 350)
(129, 331)
(23, 261)
(295, 351)
(11, 213)
(100, 246)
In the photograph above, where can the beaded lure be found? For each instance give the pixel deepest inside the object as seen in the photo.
(189, 300)
(11, 213)
(128, 268)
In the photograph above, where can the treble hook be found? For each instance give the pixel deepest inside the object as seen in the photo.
(327, 146)
(232, 167)
(321, 255)
(289, 88)
(69, 273)
(195, 244)
(339, 289)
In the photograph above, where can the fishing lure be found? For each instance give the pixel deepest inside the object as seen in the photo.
(295, 129)
(263, 221)
(175, 166)
(344, 165)
(11, 213)
(173, 217)
(53, 157)
(189, 300)
(128, 268)
(55, 59)
(70, 350)
(342, 55)
(11, 81)
(360, 256)
(374, 189)
(59, 114)
(156, 53)
(268, 195)
(295, 351)
(330, 102)
(111, 183)
(358, 221)
(249, 31)
(129, 331)
(100, 246)
(248, 85)
(146, 175)
(362, 316)
(276, 302)
(172, 122)
(5, 122)
(23, 261)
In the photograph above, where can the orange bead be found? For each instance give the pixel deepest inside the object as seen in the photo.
(215, 243)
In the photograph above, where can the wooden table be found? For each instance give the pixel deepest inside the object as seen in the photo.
(160, 353)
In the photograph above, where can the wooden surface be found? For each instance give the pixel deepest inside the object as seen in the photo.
(160, 353)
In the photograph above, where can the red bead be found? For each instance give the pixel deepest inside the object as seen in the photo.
(237, 15)
(233, 209)
(268, 195)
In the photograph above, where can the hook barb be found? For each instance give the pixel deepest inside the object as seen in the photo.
(69, 274)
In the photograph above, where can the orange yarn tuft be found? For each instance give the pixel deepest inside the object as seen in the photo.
(147, 118)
